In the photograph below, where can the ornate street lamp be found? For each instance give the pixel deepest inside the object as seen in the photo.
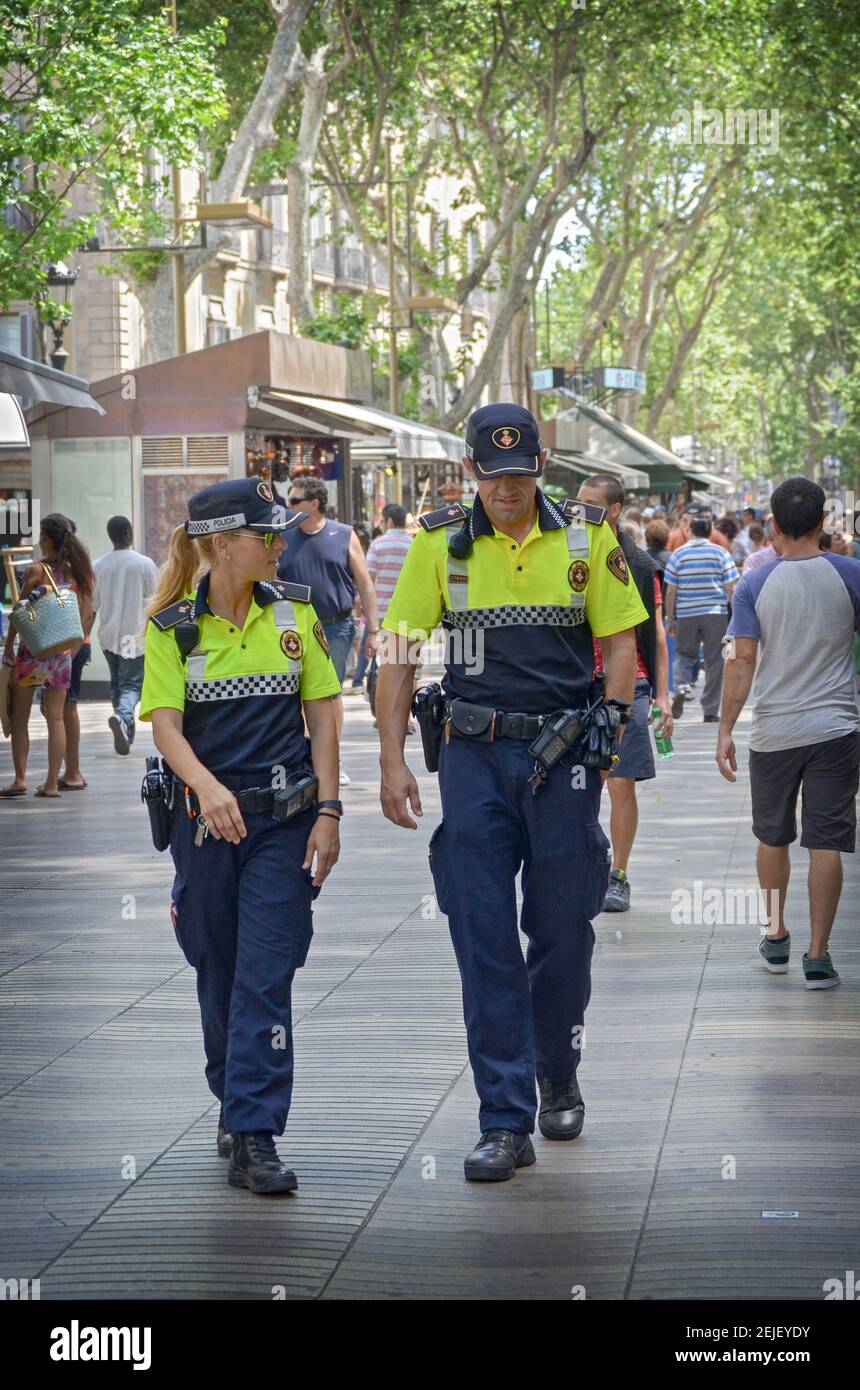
(60, 277)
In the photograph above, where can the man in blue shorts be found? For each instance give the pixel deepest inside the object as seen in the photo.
(652, 687)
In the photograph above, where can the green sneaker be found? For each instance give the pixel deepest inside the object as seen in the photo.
(774, 954)
(820, 972)
(617, 893)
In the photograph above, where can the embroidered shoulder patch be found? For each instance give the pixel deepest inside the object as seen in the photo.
(617, 564)
(319, 634)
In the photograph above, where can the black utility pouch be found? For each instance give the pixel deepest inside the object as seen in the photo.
(472, 721)
(295, 797)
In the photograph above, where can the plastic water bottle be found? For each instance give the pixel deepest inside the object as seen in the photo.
(662, 742)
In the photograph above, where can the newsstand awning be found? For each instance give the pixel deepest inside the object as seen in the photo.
(21, 376)
(317, 418)
(712, 481)
(583, 465)
(589, 430)
(375, 431)
(13, 430)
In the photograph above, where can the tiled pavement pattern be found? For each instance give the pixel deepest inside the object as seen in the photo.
(694, 1056)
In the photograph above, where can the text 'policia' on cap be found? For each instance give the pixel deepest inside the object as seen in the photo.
(236, 502)
(503, 438)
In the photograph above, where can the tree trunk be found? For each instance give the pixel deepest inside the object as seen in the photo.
(601, 306)
(519, 355)
(689, 335)
(158, 315)
(283, 70)
(299, 176)
(513, 297)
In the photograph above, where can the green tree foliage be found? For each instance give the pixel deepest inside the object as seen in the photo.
(88, 93)
(768, 373)
(729, 271)
(346, 324)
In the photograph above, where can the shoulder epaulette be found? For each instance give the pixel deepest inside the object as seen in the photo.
(583, 511)
(176, 613)
(443, 517)
(284, 588)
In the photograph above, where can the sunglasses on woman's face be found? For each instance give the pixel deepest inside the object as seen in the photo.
(267, 537)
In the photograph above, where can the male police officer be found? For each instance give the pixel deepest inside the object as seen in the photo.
(520, 585)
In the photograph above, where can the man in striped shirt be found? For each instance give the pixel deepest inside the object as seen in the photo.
(699, 581)
(385, 554)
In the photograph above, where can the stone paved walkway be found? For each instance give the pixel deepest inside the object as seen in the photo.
(697, 1064)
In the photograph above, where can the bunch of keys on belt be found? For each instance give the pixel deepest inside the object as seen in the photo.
(202, 827)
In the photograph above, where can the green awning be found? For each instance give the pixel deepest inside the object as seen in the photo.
(662, 477)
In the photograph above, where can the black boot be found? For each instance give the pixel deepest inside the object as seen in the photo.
(225, 1140)
(497, 1155)
(562, 1109)
(254, 1164)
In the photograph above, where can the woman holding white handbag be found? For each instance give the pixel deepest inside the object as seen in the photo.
(65, 565)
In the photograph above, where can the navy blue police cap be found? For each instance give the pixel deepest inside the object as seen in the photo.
(503, 439)
(245, 502)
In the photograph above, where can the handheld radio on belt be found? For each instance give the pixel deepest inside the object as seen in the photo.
(559, 733)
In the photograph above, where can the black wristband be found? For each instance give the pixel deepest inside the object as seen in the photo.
(330, 815)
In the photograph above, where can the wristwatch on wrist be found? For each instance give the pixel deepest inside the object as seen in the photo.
(331, 806)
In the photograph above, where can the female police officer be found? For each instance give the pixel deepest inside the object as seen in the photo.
(230, 665)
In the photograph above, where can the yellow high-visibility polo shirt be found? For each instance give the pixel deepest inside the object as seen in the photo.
(241, 689)
(519, 619)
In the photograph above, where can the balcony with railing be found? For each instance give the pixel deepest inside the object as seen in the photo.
(351, 265)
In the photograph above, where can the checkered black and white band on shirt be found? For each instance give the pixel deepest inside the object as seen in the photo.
(238, 687)
(515, 615)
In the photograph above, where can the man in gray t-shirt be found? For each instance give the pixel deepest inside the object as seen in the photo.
(792, 634)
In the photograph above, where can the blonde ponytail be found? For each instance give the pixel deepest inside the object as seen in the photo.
(176, 576)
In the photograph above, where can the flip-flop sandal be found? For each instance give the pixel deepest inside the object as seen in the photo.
(72, 786)
(9, 792)
(49, 796)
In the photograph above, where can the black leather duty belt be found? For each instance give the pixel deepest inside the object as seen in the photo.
(336, 617)
(253, 801)
(480, 721)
